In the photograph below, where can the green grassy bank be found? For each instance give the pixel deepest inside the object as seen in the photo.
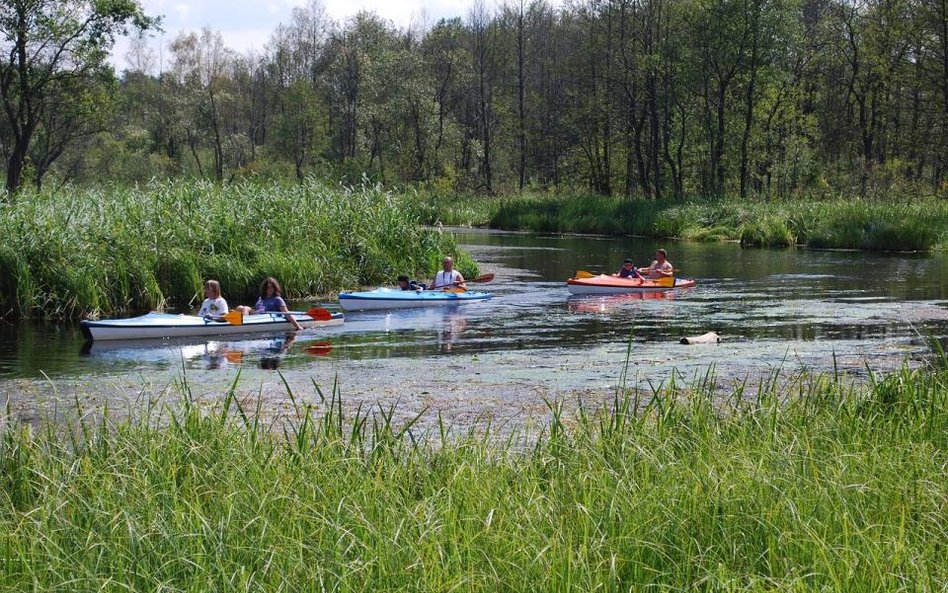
(67, 253)
(919, 225)
(815, 486)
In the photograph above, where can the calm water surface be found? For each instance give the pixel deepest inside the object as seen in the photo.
(775, 309)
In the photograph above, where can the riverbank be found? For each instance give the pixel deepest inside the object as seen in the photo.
(89, 252)
(918, 225)
(813, 485)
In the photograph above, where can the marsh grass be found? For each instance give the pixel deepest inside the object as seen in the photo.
(110, 250)
(818, 484)
(919, 225)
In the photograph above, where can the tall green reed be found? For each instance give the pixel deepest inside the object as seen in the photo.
(918, 225)
(109, 250)
(815, 483)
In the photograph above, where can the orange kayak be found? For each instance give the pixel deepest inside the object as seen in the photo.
(608, 284)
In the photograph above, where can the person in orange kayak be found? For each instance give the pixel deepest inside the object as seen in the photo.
(660, 268)
(628, 270)
(448, 277)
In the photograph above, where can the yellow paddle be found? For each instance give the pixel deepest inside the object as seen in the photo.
(232, 317)
(237, 318)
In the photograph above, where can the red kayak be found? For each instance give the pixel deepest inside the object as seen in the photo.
(608, 284)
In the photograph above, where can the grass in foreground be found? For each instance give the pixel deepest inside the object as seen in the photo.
(68, 253)
(822, 486)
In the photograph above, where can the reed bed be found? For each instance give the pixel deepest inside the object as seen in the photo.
(920, 225)
(88, 251)
(815, 485)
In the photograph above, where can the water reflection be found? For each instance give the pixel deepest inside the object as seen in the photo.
(271, 356)
(598, 303)
(453, 323)
(268, 353)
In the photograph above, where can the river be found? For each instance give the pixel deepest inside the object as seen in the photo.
(777, 311)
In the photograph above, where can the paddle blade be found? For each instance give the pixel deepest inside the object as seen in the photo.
(233, 317)
(457, 289)
(318, 349)
(483, 278)
(665, 281)
(584, 274)
(319, 314)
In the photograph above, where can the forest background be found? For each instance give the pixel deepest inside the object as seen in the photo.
(749, 99)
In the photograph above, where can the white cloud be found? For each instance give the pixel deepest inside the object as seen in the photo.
(249, 25)
(182, 12)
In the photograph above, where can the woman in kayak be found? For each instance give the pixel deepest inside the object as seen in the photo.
(628, 270)
(214, 304)
(270, 301)
(661, 267)
(448, 277)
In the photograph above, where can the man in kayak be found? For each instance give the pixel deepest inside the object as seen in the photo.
(405, 284)
(660, 268)
(628, 270)
(448, 277)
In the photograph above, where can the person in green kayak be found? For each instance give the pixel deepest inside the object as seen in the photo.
(214, 304)
(660, 268)
(448, 277)
(270, 301)
(628, 270)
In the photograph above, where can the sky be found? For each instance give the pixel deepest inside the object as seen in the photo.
(247, 25)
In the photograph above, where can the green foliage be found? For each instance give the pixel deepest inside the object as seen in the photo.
(85, 251)
(918, 225)
(817, 485)
(767, 232)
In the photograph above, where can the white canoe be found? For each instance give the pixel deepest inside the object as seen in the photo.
(395, 298)
(164, 325)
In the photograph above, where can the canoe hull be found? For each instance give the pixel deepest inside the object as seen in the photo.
(606, 284)
(163, 325)
(388, 298)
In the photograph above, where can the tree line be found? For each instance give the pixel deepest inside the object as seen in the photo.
(644, 98)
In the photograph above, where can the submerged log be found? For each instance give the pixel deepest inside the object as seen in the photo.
(708, 338)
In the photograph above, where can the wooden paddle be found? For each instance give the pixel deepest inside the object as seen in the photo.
(453, 287)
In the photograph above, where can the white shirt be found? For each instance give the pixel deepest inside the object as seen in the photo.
(213, 307)
(443, 278)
